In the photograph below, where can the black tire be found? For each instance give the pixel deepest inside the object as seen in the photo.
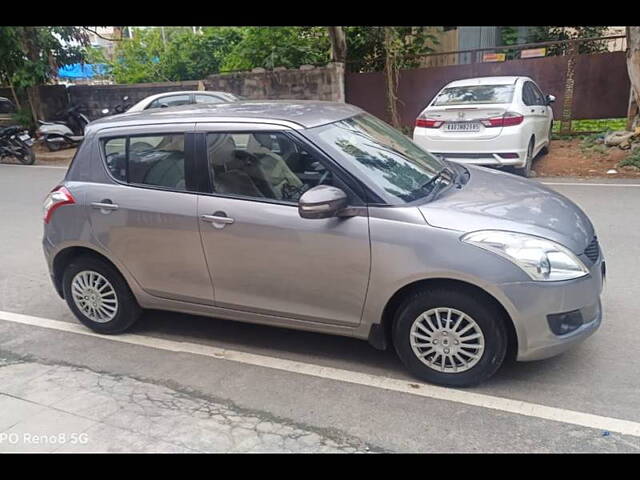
(29, 157)
(128, 310)
(526, 170)
(488, 317)
(52, 146)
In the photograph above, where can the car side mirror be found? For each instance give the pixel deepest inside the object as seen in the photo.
(323, 201)
(550, 99)
(164, 105)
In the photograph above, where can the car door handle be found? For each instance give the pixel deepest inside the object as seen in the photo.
(217, 218)
(104, 205)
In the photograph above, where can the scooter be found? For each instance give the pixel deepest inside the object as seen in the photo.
(69, 133)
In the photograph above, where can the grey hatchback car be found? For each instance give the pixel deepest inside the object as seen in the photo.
(318, 216)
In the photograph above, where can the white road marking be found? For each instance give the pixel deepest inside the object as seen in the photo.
(59, 167)
(576, 184)
(465, 397)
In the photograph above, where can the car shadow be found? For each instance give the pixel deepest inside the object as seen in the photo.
(328, 350)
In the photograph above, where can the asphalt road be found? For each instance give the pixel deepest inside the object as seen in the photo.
(598, 377)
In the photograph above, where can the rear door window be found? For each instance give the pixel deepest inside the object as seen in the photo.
(154, 160)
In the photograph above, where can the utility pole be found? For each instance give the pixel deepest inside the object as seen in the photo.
(164, 40)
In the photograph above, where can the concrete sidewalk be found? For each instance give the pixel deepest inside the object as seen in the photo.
(57, 408)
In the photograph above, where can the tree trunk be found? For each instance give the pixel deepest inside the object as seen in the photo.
(338, 44)
(391, 76)
(15, 96)
(633, 67)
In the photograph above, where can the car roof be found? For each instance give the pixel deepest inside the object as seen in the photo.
(296, 113)
(501, 80)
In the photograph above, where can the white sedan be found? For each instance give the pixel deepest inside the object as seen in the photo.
(172, 99)
(497, 121)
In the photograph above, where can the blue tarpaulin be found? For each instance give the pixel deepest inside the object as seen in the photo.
(78, 70)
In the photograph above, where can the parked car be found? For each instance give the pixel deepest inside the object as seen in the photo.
(497, 121)
(173, 99)
(318, 216)
(7, 110)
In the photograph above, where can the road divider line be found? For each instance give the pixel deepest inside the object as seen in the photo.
(465, 397)
(578, 184)
(59, 167)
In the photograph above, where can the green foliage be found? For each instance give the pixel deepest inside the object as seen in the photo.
(550, 34)
(24, 118)
(599, 125)
(593, 143)
(137, 60)
(632, 160)
(366, 52)
(270, 47)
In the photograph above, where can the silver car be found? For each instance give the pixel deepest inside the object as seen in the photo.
(318, 216)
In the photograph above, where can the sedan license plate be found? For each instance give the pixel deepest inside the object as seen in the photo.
(463, 126)
(25, 137)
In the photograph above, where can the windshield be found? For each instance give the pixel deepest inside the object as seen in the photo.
(475, 94)
(397, 167)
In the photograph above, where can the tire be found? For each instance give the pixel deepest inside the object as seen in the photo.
(29, 158)
(486, 316)
(52, 146)
(547, 148)
(526, 170)
(127, 310)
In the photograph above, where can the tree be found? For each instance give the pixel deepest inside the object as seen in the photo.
(270, 47)
(551, 34)
(633, 66)
(32, 55)
(338, 44)
(366, 47)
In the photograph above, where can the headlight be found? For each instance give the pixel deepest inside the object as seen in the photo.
(541, 259)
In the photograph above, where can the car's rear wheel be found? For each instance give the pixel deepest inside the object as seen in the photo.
(547, 147)
(99, 296)
(526, 170)
(450, 337)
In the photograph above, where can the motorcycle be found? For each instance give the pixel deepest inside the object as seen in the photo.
(16, 142)
(120, 108)
(59, 134)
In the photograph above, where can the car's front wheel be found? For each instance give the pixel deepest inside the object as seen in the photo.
(99, 296)
(450, 337)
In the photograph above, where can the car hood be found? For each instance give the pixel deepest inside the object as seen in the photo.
(497, 200)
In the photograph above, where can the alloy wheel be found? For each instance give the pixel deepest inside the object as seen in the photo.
(447, 340)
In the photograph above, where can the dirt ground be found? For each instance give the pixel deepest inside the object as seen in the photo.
(566, 158)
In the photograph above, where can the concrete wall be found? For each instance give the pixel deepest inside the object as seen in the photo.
(52, 97)
(304, 83)
(96, 97)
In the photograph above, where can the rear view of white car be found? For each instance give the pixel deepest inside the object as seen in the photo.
(496, 121)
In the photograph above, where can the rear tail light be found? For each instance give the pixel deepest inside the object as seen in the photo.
(428, 123)
(58, 197)
(507, 120)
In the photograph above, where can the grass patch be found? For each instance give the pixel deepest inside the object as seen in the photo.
(633, 160)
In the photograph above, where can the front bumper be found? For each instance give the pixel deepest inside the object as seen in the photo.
(534, 301)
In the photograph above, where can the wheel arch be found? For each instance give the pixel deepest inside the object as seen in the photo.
(380, 335)
(65, 256)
